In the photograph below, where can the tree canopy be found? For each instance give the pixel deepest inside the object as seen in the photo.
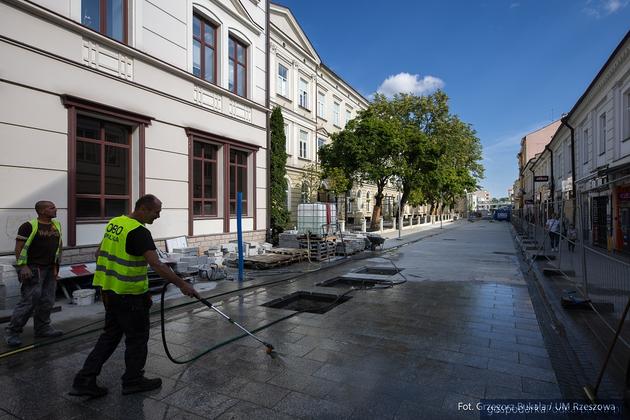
(414, 142)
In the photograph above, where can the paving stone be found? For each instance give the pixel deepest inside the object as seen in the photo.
(535, 361)
(420, 411)
(306, 384)
(263, 394)
(201, 401)
(491, 353)
(522, 370)
(248, 411)
(304, 406)
(130, 406)
(546, 389)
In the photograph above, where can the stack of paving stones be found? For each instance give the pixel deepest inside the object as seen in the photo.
(288, 239)
(351, 244)
(9, 283)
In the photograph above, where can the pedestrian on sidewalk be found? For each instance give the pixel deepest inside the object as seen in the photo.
(572, 237)
(37, 252)
(553, 227)
(121, 273)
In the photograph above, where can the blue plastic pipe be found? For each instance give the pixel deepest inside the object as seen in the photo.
(239, 234)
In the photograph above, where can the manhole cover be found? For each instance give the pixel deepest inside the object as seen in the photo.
(381, 271)
(346, 281)
(316, 303)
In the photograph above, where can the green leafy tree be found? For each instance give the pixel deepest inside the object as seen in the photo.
(278, 182)
(365, 152)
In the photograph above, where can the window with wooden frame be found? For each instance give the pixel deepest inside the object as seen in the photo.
(103, 156)
(204, 179)
(602, 134)
(303, 144)
(283, 77)
(204, 49)
(303, 94)
(238, 179)
(336, 114)
(585, 144)
(109, 17)
(237, 78)
(321, 102)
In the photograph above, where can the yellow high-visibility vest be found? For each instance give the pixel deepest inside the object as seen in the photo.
(116, 270)
(23, 257)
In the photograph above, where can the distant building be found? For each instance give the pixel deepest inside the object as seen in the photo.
(594, 142)
(532, 145)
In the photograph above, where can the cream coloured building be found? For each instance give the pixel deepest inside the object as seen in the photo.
(315, 103)
(105, 100)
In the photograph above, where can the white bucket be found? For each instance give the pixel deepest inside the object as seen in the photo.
(83, 297)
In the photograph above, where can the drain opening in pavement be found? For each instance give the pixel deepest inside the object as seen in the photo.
(346, 281)
(503, 253)
(316, 303)
(381, 271)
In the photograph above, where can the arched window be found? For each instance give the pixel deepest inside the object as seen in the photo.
(367, 201)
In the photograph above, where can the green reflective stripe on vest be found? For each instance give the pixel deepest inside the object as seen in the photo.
(140, 263)
(116, 270)
(23, 257)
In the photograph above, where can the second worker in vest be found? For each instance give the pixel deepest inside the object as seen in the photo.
(121, 271)
(37, 252)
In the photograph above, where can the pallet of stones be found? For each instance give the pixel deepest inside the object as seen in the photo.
(266, 261)
(319, 249)
(297, 254)
(350, 246)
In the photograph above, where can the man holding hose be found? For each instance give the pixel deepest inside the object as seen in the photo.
(121, 272)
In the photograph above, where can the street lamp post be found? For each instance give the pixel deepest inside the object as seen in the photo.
(399, 218)
(441, 209)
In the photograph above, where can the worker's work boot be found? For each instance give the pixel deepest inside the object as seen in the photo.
(50, 332)
(13, 340)
(141, 385)
(87, 387)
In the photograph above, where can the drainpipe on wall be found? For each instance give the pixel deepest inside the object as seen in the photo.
(552, 182)
(565, 121)
(267, 104)
(533, 189)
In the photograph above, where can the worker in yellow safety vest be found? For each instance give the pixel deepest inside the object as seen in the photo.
(121, 273)
(37, 253)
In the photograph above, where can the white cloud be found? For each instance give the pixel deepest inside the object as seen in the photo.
(602, 8)
(409, 83)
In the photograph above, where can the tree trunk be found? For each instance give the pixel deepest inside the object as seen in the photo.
(377, 210)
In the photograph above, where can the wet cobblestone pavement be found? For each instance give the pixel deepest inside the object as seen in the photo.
(461, 328)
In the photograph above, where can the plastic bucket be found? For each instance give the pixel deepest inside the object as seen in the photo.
(83, 297)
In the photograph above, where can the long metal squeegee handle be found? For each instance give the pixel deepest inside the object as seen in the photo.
(214, 308)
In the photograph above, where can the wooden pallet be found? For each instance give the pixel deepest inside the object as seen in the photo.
(319, 250)
(294, 252)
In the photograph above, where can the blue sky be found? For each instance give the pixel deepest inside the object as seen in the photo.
(508, 66)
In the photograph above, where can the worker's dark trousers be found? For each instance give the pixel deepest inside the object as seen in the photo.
(38, 298)
(128, 315)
